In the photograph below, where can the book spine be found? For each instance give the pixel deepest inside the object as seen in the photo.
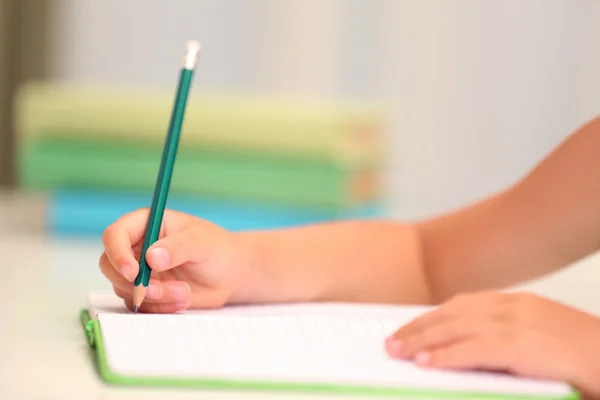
(254, 125)
(89, 212)
(53, 165)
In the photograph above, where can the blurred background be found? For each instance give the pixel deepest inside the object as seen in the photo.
(300, 111)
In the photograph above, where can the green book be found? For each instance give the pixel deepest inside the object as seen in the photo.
(333, 348)
(252, 123)
(49, 164)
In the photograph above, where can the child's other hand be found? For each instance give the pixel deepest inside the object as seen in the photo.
(522, 334)
(194, 263)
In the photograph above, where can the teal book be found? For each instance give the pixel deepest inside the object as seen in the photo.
(52, 164)
(73, 212)
(327, 348)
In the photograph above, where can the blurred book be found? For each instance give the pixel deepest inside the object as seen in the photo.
(90, 212)
(244, 161)
(346, 131)
(53, 164)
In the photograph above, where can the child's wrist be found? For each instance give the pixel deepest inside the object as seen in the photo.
(270, 274)
(253, 283)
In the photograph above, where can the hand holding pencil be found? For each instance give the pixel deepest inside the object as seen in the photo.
(195, 264)
(165, 172)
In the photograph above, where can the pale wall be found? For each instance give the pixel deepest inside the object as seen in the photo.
(479, 90)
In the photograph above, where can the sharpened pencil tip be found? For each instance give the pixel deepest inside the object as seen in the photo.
(135, 309)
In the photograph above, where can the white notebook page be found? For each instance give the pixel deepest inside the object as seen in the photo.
(315, 343)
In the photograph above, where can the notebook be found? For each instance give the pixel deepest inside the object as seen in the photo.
(322, 347)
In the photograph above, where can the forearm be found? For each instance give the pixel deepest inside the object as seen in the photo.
(546, 221)
(362, 261)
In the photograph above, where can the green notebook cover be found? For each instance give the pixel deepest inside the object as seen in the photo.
(55, 164)
(93, 333)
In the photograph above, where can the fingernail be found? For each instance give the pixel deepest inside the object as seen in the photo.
(127, 272)
(179, 294)
(160, 257)
(152, 291)
(394, 346)
(423, 358)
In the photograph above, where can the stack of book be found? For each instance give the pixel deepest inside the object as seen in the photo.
(244, 162)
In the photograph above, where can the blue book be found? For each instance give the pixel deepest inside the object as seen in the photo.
(88, 212)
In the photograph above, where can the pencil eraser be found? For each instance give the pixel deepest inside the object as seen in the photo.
(191, 54)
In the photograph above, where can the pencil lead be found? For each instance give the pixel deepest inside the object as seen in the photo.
(135, 309)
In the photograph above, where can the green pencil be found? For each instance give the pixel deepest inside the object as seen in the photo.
(165, 172)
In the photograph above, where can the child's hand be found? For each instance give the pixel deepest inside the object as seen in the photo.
(194, 263)
(519, 333)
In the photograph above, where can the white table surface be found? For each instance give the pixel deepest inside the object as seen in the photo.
(43, 352)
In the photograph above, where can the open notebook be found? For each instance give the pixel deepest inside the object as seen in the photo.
(335, 348)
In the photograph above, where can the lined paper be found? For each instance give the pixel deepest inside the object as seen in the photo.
(337, 344)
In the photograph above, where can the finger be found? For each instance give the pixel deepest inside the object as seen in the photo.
(523, 353)
(156, 308)
(137, 251)
(478, 352)
(111, 273)
(154, 293)
(161, 292)
(441, 333)
(119, 239)
(483, 303)
(419, 324)
(189, 245)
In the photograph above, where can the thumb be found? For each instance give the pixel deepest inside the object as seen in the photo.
(171, 251)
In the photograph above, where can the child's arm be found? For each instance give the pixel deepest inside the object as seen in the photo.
(367, 261)
(546, 221)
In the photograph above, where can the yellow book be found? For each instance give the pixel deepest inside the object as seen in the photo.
(348, 132)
